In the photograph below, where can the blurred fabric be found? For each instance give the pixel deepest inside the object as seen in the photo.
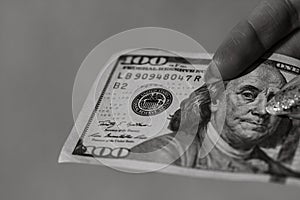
(42, 44)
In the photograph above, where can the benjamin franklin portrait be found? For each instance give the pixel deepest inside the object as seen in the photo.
(195, 139)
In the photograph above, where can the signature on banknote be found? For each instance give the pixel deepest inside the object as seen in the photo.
(110, 124)
(115, 135)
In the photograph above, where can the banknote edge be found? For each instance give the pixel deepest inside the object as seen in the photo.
(66, 155)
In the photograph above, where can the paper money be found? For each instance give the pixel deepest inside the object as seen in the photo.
(150, 110)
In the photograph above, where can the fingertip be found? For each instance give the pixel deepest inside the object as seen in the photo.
(251, 38)
(238, 51)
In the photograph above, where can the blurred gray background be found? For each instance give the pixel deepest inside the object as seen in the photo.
(42, 44)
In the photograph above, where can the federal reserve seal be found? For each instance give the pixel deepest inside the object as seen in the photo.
(152, 102)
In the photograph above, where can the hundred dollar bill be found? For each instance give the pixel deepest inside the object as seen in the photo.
(151, 110)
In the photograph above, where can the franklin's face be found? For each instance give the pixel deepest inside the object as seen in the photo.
(247, 121)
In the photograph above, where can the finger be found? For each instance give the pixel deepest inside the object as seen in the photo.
(289, 46)
(287, 100)
(295, 83)
(251, 38)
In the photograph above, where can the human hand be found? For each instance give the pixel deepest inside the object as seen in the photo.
(273, 26)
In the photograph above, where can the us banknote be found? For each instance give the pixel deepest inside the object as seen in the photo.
(151, 110)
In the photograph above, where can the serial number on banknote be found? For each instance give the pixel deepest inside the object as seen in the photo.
(166, 77)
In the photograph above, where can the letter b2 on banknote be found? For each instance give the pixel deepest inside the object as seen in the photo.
(150, 110)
